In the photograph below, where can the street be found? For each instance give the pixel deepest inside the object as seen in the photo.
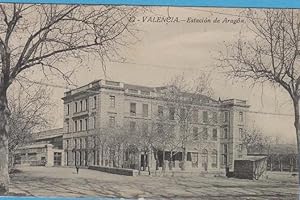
(64, 182)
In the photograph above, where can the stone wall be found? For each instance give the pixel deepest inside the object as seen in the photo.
(112, 170)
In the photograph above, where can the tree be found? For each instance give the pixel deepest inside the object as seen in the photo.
(38, 37)
(255, 142)
(270, 55)
(181, 99)
(29, 106)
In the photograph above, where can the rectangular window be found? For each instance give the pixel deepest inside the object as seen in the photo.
(145, 110)
(215, 117)
(81, 106)
(195, 133)
(68, 126)
(241, 133)
(80, 143)
(205, 117)
(76, 144)
(86, 104)
(133, 109)
(68, 109)
(80, 125)
(225, 148)
(226, 116)
(95, 102)
(94, 122)
(86, 124)
(195, 116)
(67, 144)
(215, 134)
(225, 133)
(160, 111)
(205, 133)
(112, 100)
(132, 126)
(112, 121)
(75, 126)
(172, 113)
(241, 117)
(76, 107)
(86, 142)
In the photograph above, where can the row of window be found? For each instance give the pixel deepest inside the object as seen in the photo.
(81, 105)
(82, 124)
(81, 143)
(183, 115)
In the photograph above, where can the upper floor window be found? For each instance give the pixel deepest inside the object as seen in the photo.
(241, 133)
(160, 111)
(215, 117)
(225, 148)
(86, 104)
(68, 126)
(81, 106)
(241, 116)
(215, 134)
(68, 109)
(145, 110)
(132, 109)
(205, 116)
(86, 121)
(112, 121)
(95, 101)
(205, 133)
(172, 113)
(225, 133)
(195, 116)
(76, 107)
(80, 125)
(75, 126)
(112, 100)
(226, 116)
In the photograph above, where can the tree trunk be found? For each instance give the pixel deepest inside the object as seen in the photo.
(4, 129)
(183, 158)
(163, 162)
(297, 127)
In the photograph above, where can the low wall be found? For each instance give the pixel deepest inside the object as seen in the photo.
(112, 170)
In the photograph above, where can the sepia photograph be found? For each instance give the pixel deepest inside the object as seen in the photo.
(149, 102)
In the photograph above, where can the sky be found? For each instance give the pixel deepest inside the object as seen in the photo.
(165, 50)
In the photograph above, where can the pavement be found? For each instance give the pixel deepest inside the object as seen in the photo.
(64, 182)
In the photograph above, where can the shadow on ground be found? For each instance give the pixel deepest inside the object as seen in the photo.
(88, 183)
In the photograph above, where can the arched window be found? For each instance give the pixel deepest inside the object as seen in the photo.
(214, 158)
(204, 159)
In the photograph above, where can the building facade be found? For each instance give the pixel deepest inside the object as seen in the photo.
(215, 126)
(44, 149)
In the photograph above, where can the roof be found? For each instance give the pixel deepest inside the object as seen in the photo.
(33, 146)
(48, 134)
(138, 87)
(252, 158)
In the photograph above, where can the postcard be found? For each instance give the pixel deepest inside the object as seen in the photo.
(140, 102)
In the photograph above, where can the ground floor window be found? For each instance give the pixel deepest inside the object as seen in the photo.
(57, 158)
(204, 159)
(214, 158)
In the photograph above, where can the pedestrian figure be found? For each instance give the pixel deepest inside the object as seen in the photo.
(77, 169)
